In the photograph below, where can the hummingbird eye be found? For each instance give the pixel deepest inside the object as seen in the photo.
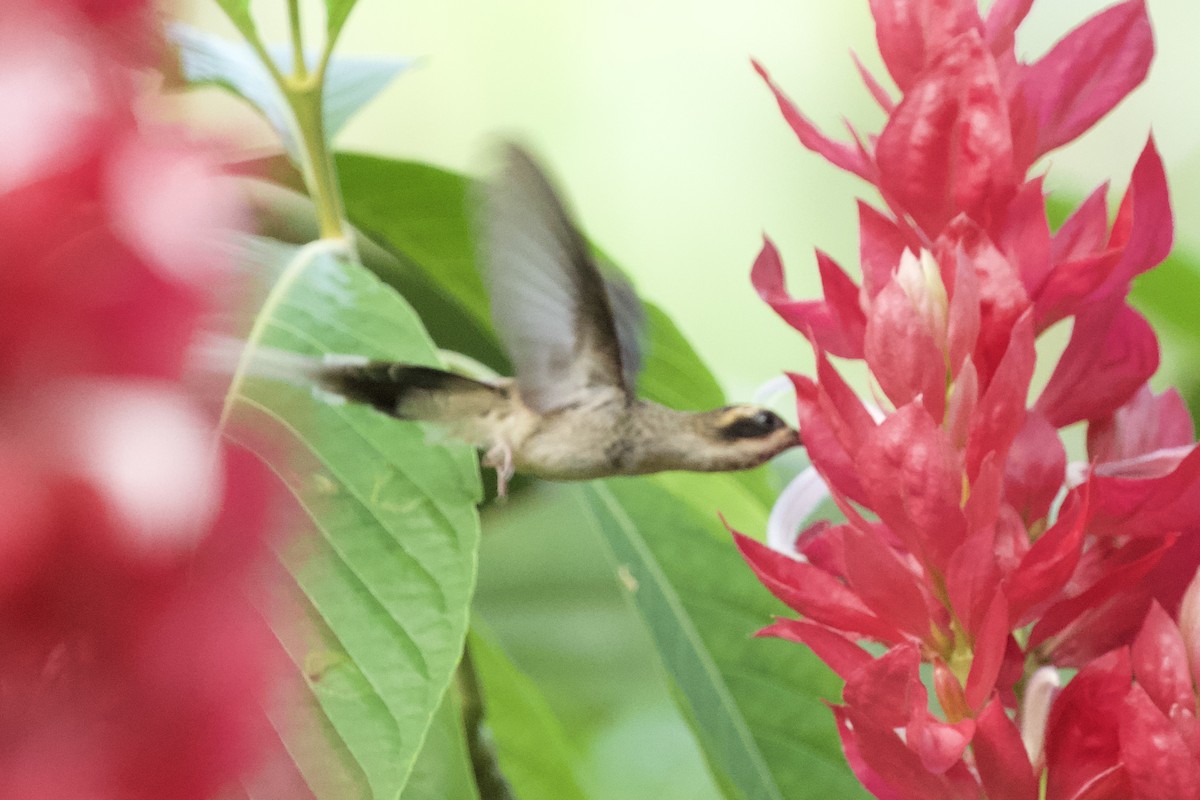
(754, 426)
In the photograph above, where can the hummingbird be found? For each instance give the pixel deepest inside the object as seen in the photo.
(571, 411)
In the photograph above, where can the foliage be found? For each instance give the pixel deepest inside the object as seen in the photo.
(324, 304)
(401, 682)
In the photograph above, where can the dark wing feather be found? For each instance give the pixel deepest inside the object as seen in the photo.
(552, 309)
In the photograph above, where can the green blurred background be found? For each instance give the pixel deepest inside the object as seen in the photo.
(670, 147)
(677, 160)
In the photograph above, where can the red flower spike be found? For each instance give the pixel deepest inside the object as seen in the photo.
(901, 349)
(883, 753)
(1048, 564)
(1085, 232)
(840, 154)
(1012, 539)
(1189, 624)
(1123, 505)
(913, 477)
(990, 646)
(1066, 287)
(1036, 468)
(1101, 617)
(1168, 580)
(840, 654)
(1111, 353)
(963, 315)
(881, 242)
(847, 416)
(1023, 235)
(1003, 19)
(972, 574)
(939, 745)
(1082, 257)
(821, 442)
(1160, 662)
(962, 476)
(912, 35)
(868, 777)
(812, 592)
(886, 584)
(1158, 761)
(982, 505)
(835, 325)
(1081, 734)
(888, 687)
(1144, 227)
(877, 91)
(1000, 414)
(821, 544)
(949, 691)
(1087, 73)
(1002, 296)
(1146, 423)
(947, 149)
(1000, 758)
(960, 407)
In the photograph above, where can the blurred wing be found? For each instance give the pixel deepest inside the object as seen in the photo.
(551, 308)
(630, 319)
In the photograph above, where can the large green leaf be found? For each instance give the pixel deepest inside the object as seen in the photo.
(350, 82)
(384, 584)
(755, 704)
(532, 748)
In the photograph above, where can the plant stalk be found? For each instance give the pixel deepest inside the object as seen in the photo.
(320, 173)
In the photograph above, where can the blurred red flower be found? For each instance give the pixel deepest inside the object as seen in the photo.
(134, 662)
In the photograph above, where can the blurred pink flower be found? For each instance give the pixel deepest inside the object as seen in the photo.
(134, 661)
(954, 551)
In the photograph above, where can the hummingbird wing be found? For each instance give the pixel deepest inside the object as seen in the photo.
(570, 333)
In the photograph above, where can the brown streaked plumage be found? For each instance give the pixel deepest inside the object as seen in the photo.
(571, 412)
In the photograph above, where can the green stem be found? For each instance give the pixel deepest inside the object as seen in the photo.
(304, 91)
(489, 779)
(299, 68)
(305, 99)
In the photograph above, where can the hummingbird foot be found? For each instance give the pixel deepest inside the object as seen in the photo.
(500, 458)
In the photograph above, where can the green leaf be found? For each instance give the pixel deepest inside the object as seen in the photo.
(532, 748)
(755, 705)
(336, 12)
(350, 82)
(238, 12)
(443, 770)
(383, 586)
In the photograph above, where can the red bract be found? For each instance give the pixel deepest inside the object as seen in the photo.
(969, 542)
(134, 664)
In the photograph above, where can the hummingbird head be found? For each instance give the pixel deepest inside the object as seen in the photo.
(744, 436)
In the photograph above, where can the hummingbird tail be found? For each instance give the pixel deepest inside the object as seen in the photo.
(412, 392)
(219, 354)
(405, 391)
